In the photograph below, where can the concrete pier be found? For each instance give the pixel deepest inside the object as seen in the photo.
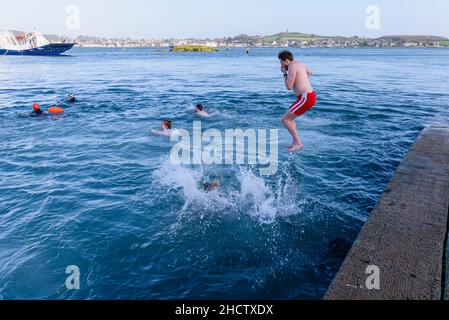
(406, 236)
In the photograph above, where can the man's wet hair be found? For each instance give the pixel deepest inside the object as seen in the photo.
(168, 123)
(286, 55)
(211, 186)
(200, 107)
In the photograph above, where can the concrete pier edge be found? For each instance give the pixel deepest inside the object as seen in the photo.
(406, 237)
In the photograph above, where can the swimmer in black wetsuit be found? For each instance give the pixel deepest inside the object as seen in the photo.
(71, 98)
(37, 110)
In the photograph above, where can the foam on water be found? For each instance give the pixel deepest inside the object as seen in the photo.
(243, 192)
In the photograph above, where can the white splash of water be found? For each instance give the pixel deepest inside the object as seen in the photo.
(189, 180)
(253, 195)
(175, 177)
(267, 202)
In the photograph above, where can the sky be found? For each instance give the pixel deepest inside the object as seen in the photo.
(156, 19)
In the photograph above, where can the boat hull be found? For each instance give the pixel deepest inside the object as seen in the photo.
(54, 49)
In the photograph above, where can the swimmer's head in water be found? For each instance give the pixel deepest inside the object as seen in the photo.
(167, 124)
(36, 107)
(211, 186)
(200, 107)
(71, 98)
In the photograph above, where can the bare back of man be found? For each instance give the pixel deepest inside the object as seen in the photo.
(298, 78)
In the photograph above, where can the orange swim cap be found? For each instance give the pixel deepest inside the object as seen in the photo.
(36, 107)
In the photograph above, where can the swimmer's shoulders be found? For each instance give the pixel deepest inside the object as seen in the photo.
(166, 133)
(158, 132)
(301, 66)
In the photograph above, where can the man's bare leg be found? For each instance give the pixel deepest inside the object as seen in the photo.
(290, 124)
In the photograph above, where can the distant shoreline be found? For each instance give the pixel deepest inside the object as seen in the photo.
(253, 48)
(284, 40)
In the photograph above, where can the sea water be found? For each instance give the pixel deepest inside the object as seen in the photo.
(93, 189)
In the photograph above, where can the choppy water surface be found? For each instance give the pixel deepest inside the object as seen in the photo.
(93, 189)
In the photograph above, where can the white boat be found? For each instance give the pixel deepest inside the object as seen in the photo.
(33, 43)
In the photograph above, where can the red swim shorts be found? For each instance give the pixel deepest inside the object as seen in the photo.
(304, 103)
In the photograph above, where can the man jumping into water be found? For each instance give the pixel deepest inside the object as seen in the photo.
(296, 75)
